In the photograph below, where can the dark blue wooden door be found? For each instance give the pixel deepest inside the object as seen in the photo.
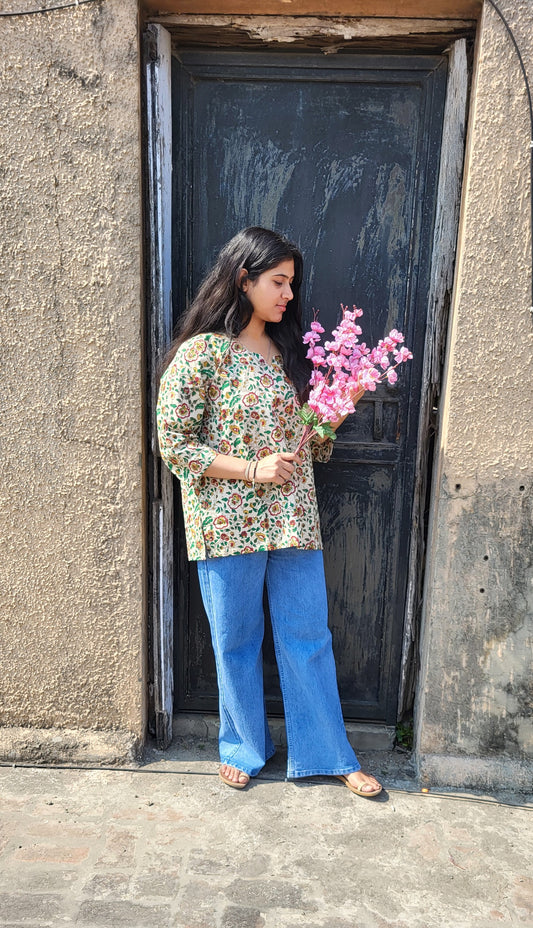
(340, 154)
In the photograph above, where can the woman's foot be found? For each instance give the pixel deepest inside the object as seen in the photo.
(362, 783)
(233, 777)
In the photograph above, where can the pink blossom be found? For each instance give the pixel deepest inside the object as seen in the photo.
(368, 378)
(315, 378)
(396, 336)
(402, 355)
(347, 367)
(316, 354)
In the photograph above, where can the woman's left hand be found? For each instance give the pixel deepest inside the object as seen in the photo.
(276, 468)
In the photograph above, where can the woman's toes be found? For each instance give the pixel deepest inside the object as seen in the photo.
(364, 782)
(234, 775)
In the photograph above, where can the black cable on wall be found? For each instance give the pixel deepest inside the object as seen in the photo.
(61, 6)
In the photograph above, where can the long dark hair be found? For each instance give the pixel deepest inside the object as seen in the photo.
(222, 306)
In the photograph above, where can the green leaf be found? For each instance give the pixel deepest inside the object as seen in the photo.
(324, 430)
(307, 415)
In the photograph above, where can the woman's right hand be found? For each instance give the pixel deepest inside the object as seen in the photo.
(276, 468)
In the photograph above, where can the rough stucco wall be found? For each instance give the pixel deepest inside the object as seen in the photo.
(70, 495)
(476, 697)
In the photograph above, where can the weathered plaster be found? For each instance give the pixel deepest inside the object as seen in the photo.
(482, 637)
(71, 602)
(476, 697)
(68, 746)
(332, 33)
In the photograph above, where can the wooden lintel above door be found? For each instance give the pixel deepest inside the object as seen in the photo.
(411, 9)
(314, 33)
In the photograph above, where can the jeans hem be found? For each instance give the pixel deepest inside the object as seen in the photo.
(245, 768)
(322, 772)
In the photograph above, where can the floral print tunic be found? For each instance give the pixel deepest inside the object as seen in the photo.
(217, 396)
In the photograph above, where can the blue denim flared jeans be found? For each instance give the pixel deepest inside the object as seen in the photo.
(232, 591)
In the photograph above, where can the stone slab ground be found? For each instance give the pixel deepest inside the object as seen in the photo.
(166, 845)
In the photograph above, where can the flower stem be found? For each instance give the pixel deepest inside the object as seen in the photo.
(308, 433)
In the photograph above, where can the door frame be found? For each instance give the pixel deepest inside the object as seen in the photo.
(157, 48)
(158, 219)
(449, 189)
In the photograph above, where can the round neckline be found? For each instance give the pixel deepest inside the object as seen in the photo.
(258, 354)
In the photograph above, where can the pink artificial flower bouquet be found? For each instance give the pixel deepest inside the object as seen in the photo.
(343, 370)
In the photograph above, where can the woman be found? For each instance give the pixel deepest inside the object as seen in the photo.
(227, 417)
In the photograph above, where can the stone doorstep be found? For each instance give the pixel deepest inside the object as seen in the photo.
(86, 747)
(68, 746)
(362, 736)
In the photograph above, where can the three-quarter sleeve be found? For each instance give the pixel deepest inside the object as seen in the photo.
(181, 406)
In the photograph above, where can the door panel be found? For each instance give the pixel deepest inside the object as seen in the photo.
(342, 156)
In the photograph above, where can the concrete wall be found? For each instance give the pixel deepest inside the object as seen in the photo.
(71, 540)
(474, 713)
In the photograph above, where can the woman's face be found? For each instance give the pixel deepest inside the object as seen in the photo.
(271, 291)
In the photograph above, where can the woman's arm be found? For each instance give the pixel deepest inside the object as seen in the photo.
(275, 468)
(180, 408)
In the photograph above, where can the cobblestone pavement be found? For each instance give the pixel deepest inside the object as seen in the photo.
(167, 845)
